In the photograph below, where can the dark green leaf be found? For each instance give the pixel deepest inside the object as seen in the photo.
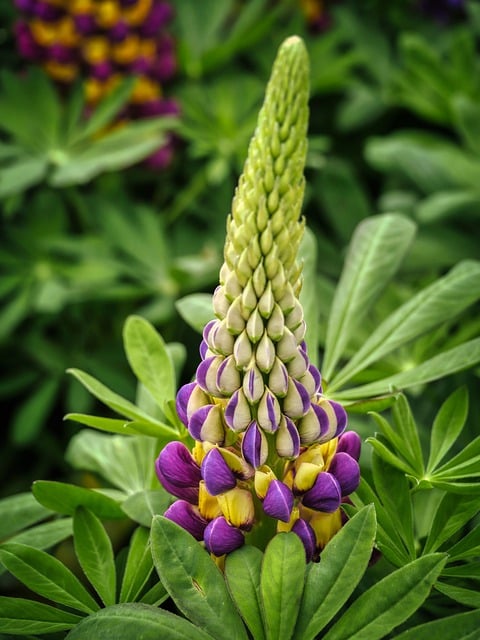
(65, 498)
(18, 512)
(377, 248)
(139, 621)
(138, 567)
(452, 514)
(94, 551)
(447, 426)
(467, 547)
(22, 617)
(142, 506)
(281, 584)
(193, 580)
(330, 583)
(467, 597)
(47, 576)
(462, 626)
(389, 602)
(242, 573)
(308, 298)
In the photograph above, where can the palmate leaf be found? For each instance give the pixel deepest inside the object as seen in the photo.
(438, 303)
(65, 498)
(22, 617)
(193, 581)
(47, 576)
(452, 514)
(447, 426)
(378, 246)
(389, 602)
(138, 567)
(20, 511)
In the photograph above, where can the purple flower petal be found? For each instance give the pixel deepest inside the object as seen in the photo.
(188, 517)
(325, 494)
(351, 443)
(346, 471)
(190, 494)
(332, 419)
(278, 501)
(220, 537)
(177, 471)
(253, 386)
(254, 446)
(217, 474)
(207, 374)
(307, 535)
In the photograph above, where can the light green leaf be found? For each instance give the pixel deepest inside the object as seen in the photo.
(193, 581)
(139, 621)
(330, 583)
(196, 309)
(378, 246)
(440, 366)
(462, 626)
(108, 108)
(281, 584)
(242, 573)
(438, 303)
(142, 506)
(308, 298)
(94, 551)
(149, 359)
(124, 461)
(22, 174)
(452, 514)
(138, 567)
(47, 576)
(18, 512)
(46, 535)
(19, 616)
(110, 425)
(389, 602)
(447, 426)
(65, 498)
(110, 398)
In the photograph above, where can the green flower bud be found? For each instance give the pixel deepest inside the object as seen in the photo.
(242, 350)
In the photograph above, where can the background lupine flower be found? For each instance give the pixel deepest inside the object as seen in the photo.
(102, 42)
(269, 446)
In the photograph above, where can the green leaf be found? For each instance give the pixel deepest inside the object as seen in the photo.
(46, 535)
(110, 398)
(434, 305)
(108, 108)
(242, 573)
(392, 488)
(464, 464)
(138, 567)
(47, 576)
(330, 583)
(124, 461)
(22, 174)
(196, 309)
(142, 506)
(467, 597)
(452, 514)
(467, 547)
(389, 602)
(94, 551)
(155, 595)
(405, 424)
(447, 426)
(22, 617)
(149, 359)
(378, 246)
(18, 512)
(462, 626)
(308, 298)
(110, 425)
(193, 581)
(65, 498)
(440, 366)
(138, 621)
(281, 584)
(467, 116)
(32, 414)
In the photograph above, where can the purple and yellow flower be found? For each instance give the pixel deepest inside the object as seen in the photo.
(271, 448)
(103, 42)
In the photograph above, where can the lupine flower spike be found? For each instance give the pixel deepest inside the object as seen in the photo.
(271, 451)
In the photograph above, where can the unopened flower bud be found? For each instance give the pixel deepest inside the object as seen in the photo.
(265, 354)
(221, 339)
(221, 538)
(278, 379)
(253, 385)
(254, 446)
(287, 346)
(237, 412)
(228, 377)
(242, 350)
(297, 401)
(269, 412)
(287, 441)
(216, 473)
(307, 535)
(298, 365)
(276, 325)
(234, 318)
(206, 424)
(266, 302)
(278, 501)
(351, 443)
(346, 471)
(255, 327)
(206, 374)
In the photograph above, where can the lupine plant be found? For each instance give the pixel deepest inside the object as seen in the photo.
(261, 529)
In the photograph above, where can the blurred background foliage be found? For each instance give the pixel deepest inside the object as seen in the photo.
(116, 178)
